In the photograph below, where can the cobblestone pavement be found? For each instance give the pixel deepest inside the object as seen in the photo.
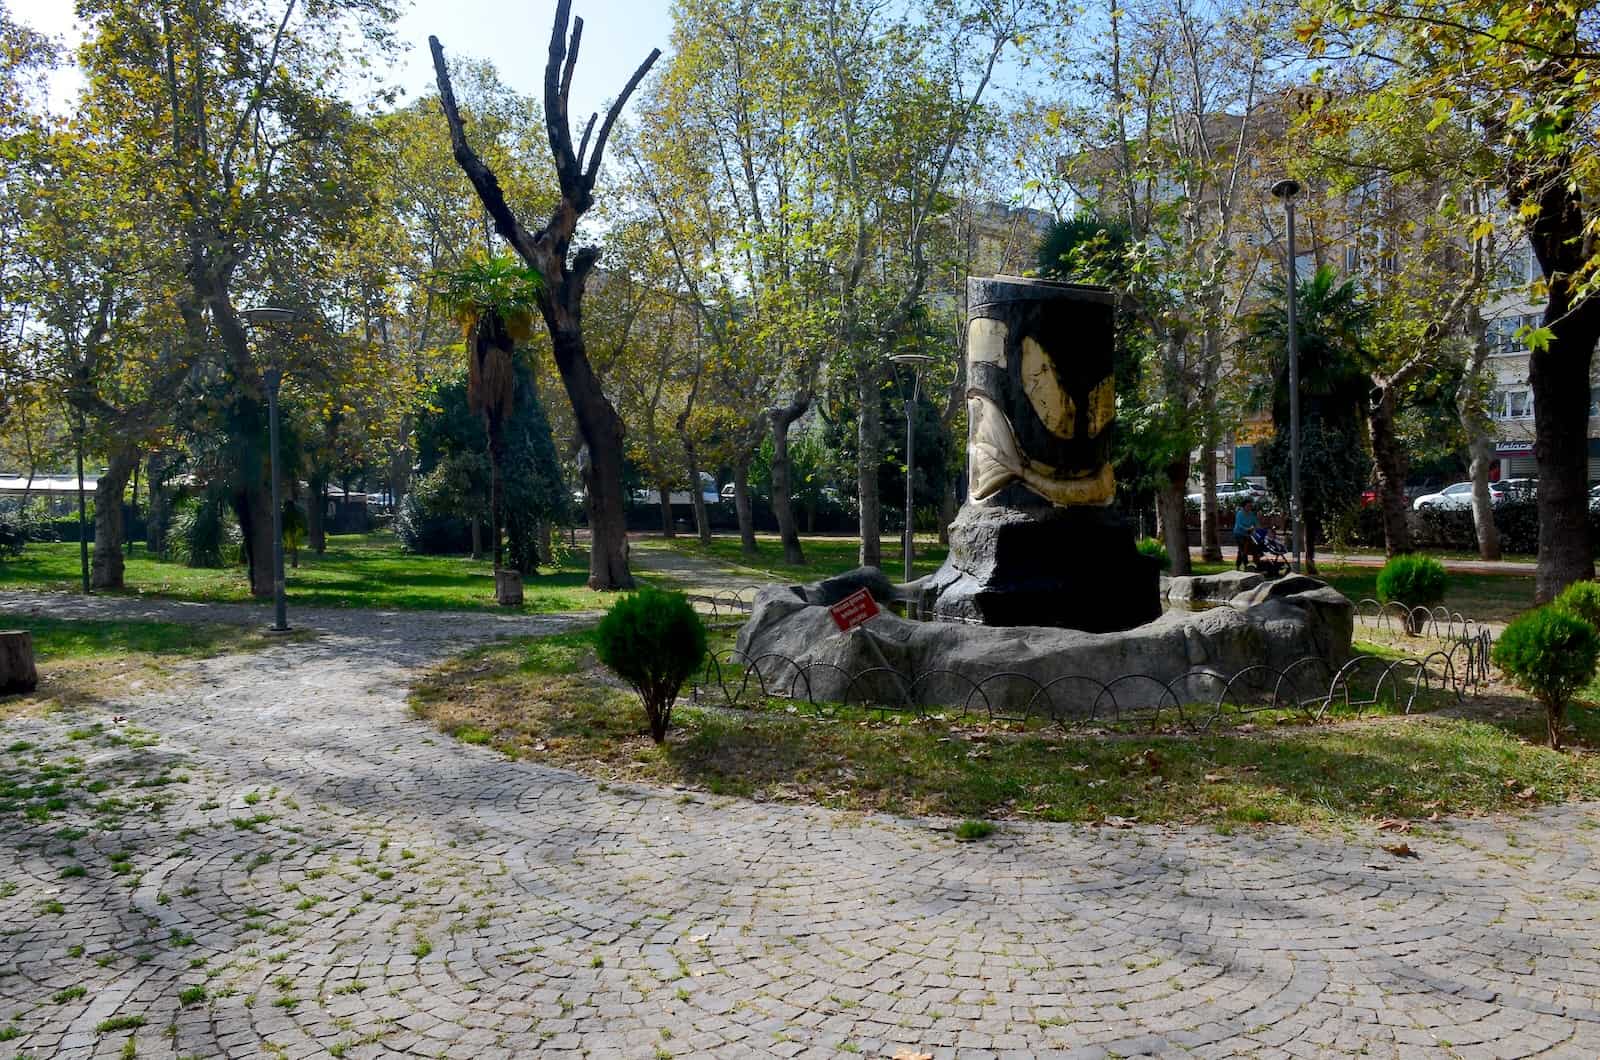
(274, 858)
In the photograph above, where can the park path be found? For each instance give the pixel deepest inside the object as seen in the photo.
(326, 875)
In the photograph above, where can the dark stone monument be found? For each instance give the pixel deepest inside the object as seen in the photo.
(1037, 544)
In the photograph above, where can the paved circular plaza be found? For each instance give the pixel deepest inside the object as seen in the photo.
(271, 857)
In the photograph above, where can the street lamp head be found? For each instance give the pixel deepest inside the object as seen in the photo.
(270, 314)
(917, 360)
(1286, 189)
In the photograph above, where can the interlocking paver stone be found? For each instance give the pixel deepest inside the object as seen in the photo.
(338, 877)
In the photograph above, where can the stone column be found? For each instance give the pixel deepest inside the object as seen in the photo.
(1037, 544)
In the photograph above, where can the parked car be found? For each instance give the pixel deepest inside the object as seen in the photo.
(1230, 493)
(1458, 496)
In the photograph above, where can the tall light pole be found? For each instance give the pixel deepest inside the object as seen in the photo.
(1285, 190)
(273, 377)
(916, 361)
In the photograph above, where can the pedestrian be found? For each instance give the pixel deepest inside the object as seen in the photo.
(1244, 522)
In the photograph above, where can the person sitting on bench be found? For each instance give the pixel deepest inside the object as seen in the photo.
(1244, 522)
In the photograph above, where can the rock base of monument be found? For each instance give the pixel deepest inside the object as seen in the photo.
(1275, 624)
(1075, 568)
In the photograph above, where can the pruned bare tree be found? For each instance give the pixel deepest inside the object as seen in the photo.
(565, 274)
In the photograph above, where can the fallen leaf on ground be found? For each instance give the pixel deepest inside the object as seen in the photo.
(1214, 778)
(911, 1054)
(1526, 793)
(1401, 850)
(1111, 820)
(1394, 824)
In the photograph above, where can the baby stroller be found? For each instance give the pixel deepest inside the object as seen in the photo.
(1271, 555)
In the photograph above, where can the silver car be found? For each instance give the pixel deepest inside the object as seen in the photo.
(1456, 496)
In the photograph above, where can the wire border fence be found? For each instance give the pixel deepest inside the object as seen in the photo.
(1194, 701)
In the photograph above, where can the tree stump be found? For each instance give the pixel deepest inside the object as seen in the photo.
(508, 587)
(17, 673)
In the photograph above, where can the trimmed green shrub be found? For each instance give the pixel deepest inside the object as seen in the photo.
(1583, 600)
(1552, 653)
(654, 641)
(1415, 580)
(1149, 546)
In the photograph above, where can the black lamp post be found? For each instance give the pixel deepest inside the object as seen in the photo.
(273, 377)
(916, 361)
(1285, 190)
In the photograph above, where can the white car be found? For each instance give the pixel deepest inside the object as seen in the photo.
(1230, 492)
(1456, 496)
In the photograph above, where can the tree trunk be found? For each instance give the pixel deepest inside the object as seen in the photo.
(1560, 377)
(664, 493)
(106, 570)
(1555, 719)
(1310, 534)
(316, 515)
(1210, 541)
(1389, 461)
(1480, 447)
(17, 672)
(544, 534)
(782, 504)
(477, 536)
(253, 508)
(702, 521)
(743, 508)
(869, 458)
(494, 435)
(158, 506)
(1170, 510)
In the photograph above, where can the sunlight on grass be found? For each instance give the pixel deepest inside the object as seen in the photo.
(545, 699)
(824, 555)
(356, 571)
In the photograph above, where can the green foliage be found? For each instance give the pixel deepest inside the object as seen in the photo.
(653, 640)
(1331, 325)
(201, 537)
(1552, 653)
(971, 829)
(1413, 579)
(452, 454)
(500, 285)
(1156, 550)
(1581, 599)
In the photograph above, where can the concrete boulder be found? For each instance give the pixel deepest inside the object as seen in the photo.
(939, 662)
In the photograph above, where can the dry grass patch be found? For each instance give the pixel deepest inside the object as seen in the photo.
(547, 700)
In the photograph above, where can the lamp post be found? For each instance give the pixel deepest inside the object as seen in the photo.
(1285, 190)
(916, 361)
(273, 378)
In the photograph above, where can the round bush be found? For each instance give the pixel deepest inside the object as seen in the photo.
(1583, 600)
(1413, 580)
(654, 641)
(1149, 546)
(1552, 653)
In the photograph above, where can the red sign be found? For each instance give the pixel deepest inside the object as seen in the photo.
(853, 610)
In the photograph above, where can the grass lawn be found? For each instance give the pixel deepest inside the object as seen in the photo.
(545, 699)
(357, 571)
(1481, 597)
(825, 555)
(80, 659)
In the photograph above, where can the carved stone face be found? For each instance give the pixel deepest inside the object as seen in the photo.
(1040, 397)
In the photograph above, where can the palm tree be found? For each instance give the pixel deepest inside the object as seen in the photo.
(1334, 465)
(495, 299)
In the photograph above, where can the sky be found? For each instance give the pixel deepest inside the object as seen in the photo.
(512, 34)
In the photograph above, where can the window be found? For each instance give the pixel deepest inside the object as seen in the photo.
(1594, 401)
(1511, 405)
(1458, 489)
